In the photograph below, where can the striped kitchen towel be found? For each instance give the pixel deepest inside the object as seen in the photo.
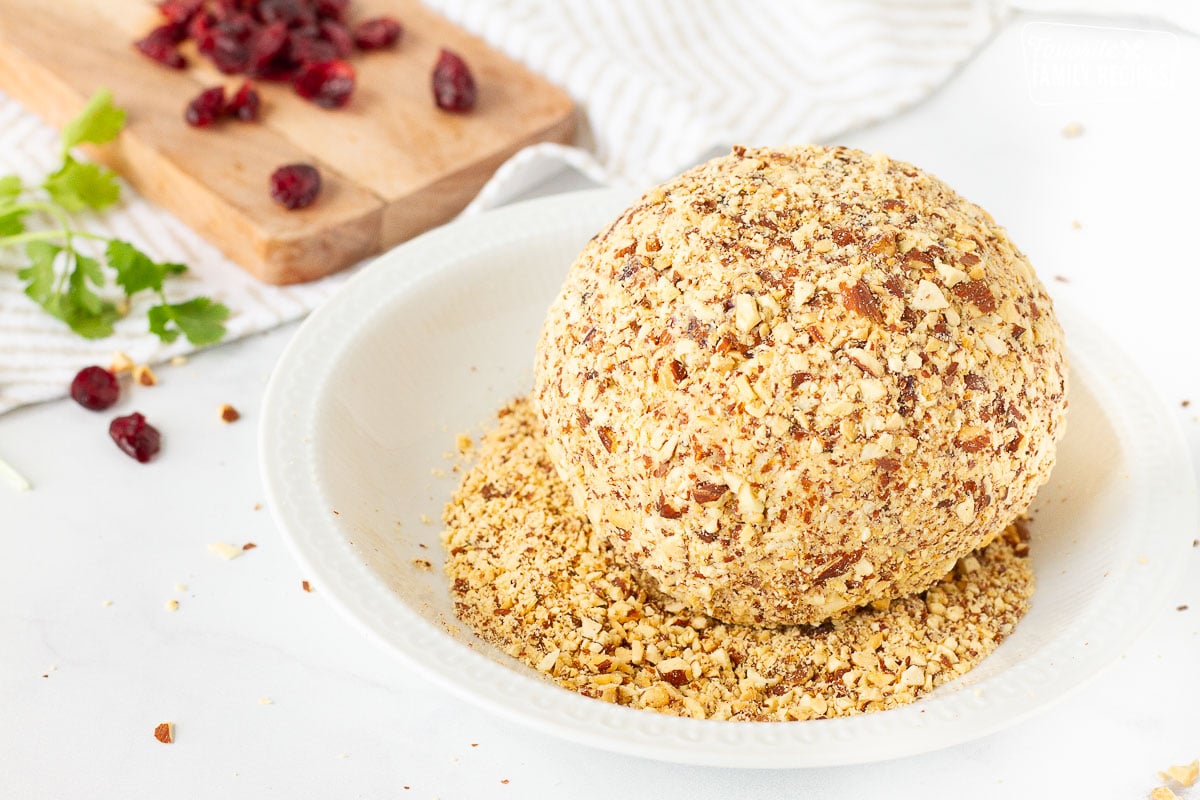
(659, 84)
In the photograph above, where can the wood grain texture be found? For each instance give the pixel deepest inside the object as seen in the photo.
(392, 164)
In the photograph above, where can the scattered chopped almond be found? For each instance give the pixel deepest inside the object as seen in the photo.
(1185, 775)
(1073, 130)
(106, 603)
(224, 550)
(121, 362)
(264, 701)
(258, 506)
(144, 375)
(249, 546)
(178, 361)
(463, 442)
(172, 605)
(306, 586)
(422, 564)
(1162, 793)
(1076, 224)
(181, 587)
(229, 413)
(165, 732)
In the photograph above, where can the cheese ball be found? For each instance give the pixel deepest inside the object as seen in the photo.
(791, 382)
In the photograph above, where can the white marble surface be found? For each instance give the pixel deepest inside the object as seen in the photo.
(82, 684)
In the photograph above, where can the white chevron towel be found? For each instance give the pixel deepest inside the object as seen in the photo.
(659, 84)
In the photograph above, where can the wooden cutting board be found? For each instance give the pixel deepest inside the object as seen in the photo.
(392, 163)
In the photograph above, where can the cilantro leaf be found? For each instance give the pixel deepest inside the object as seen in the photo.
(79, 185)
(39, 275)
(99, 122)
(135, 270)
(10, 188)
(12, 222)
(79, 306)
(199, 319)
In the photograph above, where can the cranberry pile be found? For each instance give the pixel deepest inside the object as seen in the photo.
(302, 42)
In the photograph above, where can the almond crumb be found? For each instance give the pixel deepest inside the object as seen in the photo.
(306, 586)
(172, 605)
(463, 442)
(177, 361)
(264, 701)
(224, 550)
(425, 520)
(1185, 774)
(249, 546)
(144, 375)
(181, 587)
(1076, 224)
(165, 732)
(229, 413)
(1162, 793)
(422, 564)
(1072, 130)
(106, 603)
(121, 362)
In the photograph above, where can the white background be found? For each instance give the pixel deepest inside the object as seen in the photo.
(348, 721)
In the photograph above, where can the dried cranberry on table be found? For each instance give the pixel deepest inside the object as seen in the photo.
(206, 107)
(95, 388)
(245, 103)
(295, 185)
(136, 437)
(453, 85)
(377, 33)
(329, 84)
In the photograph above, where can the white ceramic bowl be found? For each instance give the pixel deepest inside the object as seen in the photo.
(432, 337)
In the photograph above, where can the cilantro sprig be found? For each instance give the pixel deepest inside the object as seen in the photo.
(70, 283)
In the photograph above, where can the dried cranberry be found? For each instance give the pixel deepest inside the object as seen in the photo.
(95, 388)
(206, 107)
(135, 436)
(338, 37)
(309, 50)
(237, 24)
(292, 13)
(200, 27)
(377, 33)
(228, 53)
(159, 45)
(453, 86)
(266, 44)
(179, 11)
(329, 84)
(295, 185)
(245, 103)
(332, 9)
